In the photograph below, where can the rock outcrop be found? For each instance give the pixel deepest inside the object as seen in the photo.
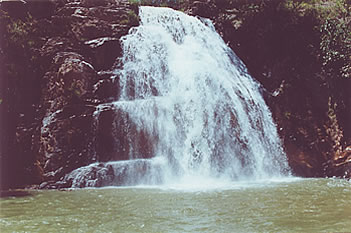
(57, 59)
(75, 44)
(69, 127)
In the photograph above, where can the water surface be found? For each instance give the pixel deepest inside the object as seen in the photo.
(293, 205)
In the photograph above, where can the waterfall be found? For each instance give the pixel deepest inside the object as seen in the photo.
(198, 110)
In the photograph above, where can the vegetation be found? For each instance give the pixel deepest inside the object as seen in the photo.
(21, 69)
(313, 35)
(133, 18)
(161, 3)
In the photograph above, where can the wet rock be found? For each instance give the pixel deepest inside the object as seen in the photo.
(69, 41)
(118, 137)
(203, 8)
(105, 51)
(94, 3)
(107, 89)
(67, 141)
(94, 175)
(91, 29)
(70, 81)
(36, 9)
(55, 45)
(96, 22)
(118, 173)
(73, 87)
(340, 165)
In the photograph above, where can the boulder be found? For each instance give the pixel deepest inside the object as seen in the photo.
(70, 81)
(94, 175)
(131, 172)
(67, 140)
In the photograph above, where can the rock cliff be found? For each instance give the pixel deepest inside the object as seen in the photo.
(49, 95)
(57, 59)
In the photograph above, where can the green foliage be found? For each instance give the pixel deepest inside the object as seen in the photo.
(133, 18)
(18, 34)
(133, 1)
(20, 31)
(20, 44)
(320, 27)
(161, 3)
(333, 29)
(336, 40)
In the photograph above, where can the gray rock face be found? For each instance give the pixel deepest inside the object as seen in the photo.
(91, 43)
(68, 48)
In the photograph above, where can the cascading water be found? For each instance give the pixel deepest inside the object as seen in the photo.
(192, 97)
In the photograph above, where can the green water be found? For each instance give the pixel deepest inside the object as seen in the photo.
(305, 205)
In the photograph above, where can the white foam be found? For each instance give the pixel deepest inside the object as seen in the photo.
(188, 91)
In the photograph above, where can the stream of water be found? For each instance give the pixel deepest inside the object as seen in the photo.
(187, 109)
